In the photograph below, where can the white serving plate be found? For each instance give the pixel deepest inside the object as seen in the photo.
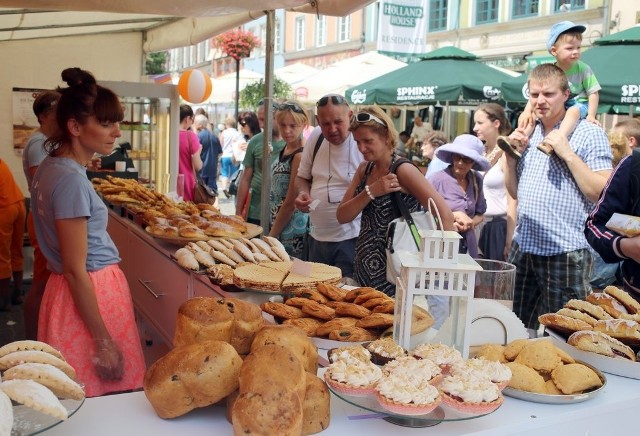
(610, 365)
(558, 399)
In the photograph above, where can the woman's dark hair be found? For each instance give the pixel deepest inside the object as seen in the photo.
(251, 119)
(81, 100)
(185, 111)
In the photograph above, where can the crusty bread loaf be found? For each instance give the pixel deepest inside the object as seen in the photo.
(292, 338)
(224, 319)
(316, 407)
(272, 365)
(274, 411)
(192, 376)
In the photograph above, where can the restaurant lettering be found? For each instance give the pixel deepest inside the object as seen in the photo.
(401, 15)
(630, 94)
(406, 93)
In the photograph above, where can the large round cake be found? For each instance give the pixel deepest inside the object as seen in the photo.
(277, 276)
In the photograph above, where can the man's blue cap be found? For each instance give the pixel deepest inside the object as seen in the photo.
(560, 28)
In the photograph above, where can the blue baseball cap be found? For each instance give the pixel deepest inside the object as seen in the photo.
(560, 28)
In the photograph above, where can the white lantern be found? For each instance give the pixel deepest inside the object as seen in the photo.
(437, 270)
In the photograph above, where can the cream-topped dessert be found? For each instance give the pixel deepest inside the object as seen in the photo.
(470, 394)
(357, 378)
(416, 370)
(384, 350)
(352, 354)
(439, 353)
(495, 371)
(400, 393)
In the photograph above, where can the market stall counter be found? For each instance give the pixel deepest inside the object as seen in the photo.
(612, 412)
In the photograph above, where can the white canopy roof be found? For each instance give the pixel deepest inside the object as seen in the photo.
(166, 23)
(337, 77)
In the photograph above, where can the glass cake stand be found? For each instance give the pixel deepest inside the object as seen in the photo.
(440, 414)
(28, 421)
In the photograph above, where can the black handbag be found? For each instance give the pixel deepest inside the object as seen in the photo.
(235, 182)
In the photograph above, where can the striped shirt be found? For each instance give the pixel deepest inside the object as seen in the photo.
(582, 81)
(551, 208)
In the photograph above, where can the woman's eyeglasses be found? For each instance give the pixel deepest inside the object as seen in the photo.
(335, 99)
(464, 159)
(365, 117)
(292, 107)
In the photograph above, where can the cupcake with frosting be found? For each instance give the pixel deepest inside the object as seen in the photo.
(498, 373)
(440, 354)
(357, 378)
(473, 395)
(404, 395)
(351, 354)
(416, 370)
(384, 350)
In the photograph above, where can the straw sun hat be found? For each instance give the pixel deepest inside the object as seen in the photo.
(467, 146)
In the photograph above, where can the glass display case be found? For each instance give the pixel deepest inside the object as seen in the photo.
(150, 126)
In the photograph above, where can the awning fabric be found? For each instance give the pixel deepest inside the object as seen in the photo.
(166, 23)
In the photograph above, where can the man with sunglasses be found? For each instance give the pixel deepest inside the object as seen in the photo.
(326, 169)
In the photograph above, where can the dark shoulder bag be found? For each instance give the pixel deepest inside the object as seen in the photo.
(202, 193)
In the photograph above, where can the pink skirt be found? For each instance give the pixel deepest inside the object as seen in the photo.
(61, 326)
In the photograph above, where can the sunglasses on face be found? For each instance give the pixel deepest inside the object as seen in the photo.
(466, 160)
(292, 107)
(243, 123)
(335, 99)
(365, 117)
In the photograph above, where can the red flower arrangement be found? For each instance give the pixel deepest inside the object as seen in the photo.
(236, 43)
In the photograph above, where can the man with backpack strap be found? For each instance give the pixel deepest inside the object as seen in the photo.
(325, 172)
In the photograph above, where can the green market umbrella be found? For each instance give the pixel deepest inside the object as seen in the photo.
(612, 60)
(446, 75)
(516, 89)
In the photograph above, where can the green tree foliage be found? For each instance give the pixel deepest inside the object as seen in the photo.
(251, 95)
(156, 62)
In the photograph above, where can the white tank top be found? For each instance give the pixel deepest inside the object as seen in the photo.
(495, 191)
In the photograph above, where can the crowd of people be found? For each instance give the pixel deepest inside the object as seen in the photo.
(538, 197)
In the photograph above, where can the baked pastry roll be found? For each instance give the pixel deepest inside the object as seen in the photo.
(601, 343)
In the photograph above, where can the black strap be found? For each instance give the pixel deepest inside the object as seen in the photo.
(316, 149)
(402, 207)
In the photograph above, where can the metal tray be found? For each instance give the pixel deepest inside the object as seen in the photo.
(558, 399)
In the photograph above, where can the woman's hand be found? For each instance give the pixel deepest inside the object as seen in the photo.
(385, 185)
(107, 360)
(462, 222)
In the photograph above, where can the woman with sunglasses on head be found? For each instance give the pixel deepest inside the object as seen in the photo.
(461, 186)
(288, 224)
(86, 310)
(369, 194)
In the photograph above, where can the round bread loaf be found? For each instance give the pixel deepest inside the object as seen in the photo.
(192, 376)
(272, 365)
(292, 338)
(276, 411)
(223, 319)
(316, 407)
